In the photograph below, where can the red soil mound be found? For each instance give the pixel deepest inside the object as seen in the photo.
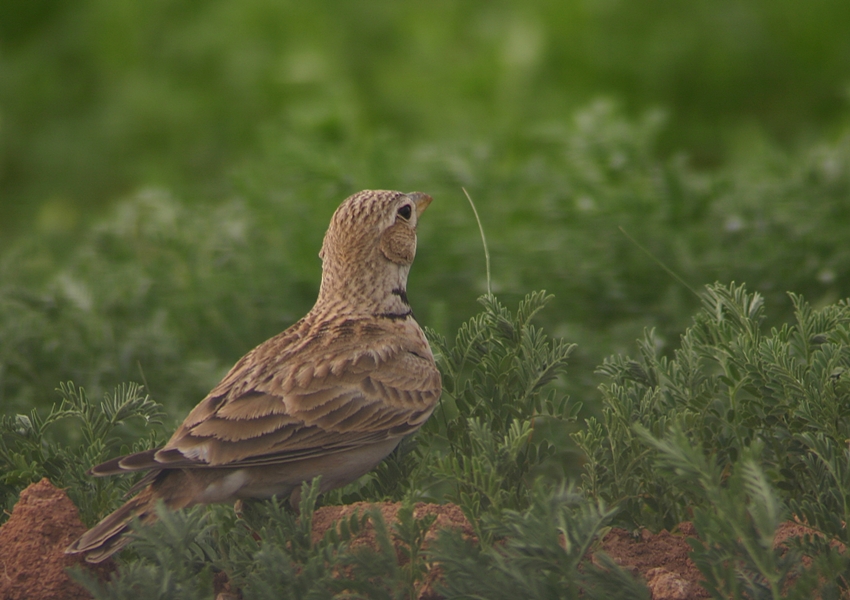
(32, 547)
(660, 559)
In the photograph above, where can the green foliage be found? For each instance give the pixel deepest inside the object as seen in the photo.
(737, 514)
(488, 439)
(178, 180)
(273, 555)
(728, 385)
(163, 290)
(270, 553)
(180, 96)
(825, 506)
(29, 450)
(738, 430)
(500, 365)
(543, 546)
(146, 296)
(736, 517)
(175, 554)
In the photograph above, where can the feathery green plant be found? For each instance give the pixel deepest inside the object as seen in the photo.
(736, 516)
(269, 553)
(728, 385)
(29, 450)
(544, 544)
(488, 439)
(739, 429)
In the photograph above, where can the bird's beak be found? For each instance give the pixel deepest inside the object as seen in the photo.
(420, 200)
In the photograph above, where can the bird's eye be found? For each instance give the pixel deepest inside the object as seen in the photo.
(405, 211)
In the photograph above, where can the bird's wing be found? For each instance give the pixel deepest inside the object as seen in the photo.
(301, 396)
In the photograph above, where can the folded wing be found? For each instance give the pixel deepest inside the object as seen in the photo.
(291, 399)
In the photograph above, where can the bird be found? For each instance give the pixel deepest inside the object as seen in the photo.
(330, 396)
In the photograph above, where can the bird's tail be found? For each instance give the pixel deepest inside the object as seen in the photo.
(107, 537)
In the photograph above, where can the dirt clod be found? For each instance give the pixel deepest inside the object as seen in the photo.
(33, 542)
(660, 559)
(665, 585)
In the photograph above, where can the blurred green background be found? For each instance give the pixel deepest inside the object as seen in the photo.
(167, 169)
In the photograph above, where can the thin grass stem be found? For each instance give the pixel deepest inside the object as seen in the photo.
(483, 241)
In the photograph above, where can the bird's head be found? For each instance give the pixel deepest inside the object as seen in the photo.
(369, 247)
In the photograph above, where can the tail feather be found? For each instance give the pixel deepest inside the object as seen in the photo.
(139, 461)
(155, 459)
(106, 538)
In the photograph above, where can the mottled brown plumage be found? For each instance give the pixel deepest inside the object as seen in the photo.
(331, 396)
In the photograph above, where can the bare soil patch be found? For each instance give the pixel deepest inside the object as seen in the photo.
(660, 559)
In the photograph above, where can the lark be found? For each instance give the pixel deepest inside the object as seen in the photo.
(332, 395)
